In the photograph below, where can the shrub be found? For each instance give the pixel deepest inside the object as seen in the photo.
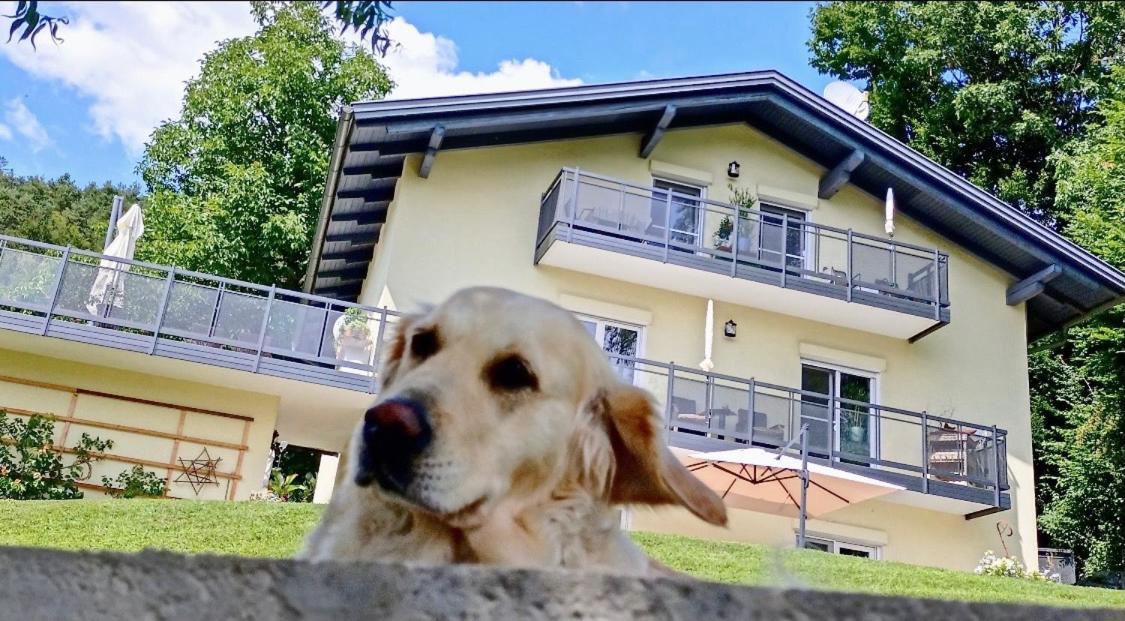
(284, 486)
(31, 467)
(135, 483)
(1010, 567)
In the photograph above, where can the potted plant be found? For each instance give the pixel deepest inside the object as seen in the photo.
(353, 336)
(721, 236)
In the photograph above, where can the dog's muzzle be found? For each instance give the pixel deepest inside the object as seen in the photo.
(395, 433)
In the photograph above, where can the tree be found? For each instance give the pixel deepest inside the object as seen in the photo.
(368, 18)
(236, 181)
(58, 211)
(1080, 409)
(988, 89)
(1024, 100)
(31, 466)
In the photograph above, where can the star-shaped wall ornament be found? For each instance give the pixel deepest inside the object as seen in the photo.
(199, 471)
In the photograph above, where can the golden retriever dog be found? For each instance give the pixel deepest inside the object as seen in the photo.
(502, 435)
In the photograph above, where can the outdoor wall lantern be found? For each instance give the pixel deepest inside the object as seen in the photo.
(730, 329)
(733, 169)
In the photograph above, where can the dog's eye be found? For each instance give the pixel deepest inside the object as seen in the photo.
(511, 373)
(424, 344)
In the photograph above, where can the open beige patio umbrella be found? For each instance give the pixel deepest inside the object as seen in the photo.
(761, 480)
(108, 284)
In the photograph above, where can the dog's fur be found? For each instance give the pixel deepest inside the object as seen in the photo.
(532, 476)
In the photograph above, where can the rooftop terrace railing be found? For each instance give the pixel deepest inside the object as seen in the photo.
(746, 243)
(160, 310)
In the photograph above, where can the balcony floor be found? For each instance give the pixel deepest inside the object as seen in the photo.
(702, 275)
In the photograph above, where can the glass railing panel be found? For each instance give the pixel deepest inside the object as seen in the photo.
(191, 308)
(26, 277)
(239, 317)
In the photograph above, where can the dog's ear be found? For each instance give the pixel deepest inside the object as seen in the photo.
(646, 471)
(394, 349)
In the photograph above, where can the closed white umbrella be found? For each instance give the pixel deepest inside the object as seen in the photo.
(889, 224)
(108, 284)
(708, 337)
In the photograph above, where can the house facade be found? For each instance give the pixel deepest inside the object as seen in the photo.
(638, 206)
(635, 204)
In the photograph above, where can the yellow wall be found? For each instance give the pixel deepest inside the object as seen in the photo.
(55, 395)
(473, 222)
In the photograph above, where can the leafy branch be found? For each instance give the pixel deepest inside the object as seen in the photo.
(33, 22)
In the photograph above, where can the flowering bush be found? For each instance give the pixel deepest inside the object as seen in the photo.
(1009, 567)
(31, 466)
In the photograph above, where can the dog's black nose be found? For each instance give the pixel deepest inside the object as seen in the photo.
(395, 432)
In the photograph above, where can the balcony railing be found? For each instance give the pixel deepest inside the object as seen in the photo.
(159, 310)
(920, 451)
(750, 244)
(155, 309)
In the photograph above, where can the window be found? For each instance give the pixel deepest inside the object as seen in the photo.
(842, 547)
(773, 243)
(616, 339)
(687, 214)
(850, 428)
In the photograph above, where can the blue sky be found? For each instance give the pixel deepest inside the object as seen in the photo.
(86, 107)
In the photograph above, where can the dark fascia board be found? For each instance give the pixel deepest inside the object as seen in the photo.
(335, 163)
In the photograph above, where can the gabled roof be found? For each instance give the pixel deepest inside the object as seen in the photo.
(373, 139)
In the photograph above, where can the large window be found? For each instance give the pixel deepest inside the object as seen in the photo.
(616, 339)
(782, 231)
(842, 547)
(851, 428)
(686, 220)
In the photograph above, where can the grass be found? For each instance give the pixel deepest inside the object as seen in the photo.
(276, 530)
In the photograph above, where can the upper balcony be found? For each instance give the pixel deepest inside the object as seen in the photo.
(773, 261)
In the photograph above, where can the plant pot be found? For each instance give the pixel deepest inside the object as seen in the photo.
(856, 433)
(353, 347)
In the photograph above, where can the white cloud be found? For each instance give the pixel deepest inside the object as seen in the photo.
(423, 64)
(25, 124)
(131, 61)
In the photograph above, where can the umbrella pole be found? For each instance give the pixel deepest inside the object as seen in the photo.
(804, 485)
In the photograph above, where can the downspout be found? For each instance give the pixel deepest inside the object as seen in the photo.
(335, 165)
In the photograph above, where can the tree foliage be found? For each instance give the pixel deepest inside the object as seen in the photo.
(1080, 400)
(1025, 100)
(31, 468)
(988, 89)
(236, 180)
(58, 211)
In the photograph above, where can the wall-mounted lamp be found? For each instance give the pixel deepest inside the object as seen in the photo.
(730, 329)
(733, 169)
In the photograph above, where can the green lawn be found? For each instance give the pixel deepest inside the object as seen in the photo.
(275, 530)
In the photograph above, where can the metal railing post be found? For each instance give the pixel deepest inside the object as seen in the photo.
(667, 223)
(937, 287)
(925, 453)
(734, 243)
(215, 312)
(750, 422)
(894, 266)
(709, 396)
(265, 327)
(850, 270)
(162, 309)
(324, 330)
(377, 350)
(784, 246)
(998, 466)
(574, 208)
(621, 210)
(55, 291)
(668, 396)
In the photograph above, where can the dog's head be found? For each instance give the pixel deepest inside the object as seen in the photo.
(495, 395)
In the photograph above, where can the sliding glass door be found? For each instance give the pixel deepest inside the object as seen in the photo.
(850, 428)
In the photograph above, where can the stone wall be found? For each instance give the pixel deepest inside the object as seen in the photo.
(47, 584)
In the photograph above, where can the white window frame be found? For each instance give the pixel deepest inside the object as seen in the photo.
(699, 217)
(875, 440)
(875, 552)
(599, 330)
